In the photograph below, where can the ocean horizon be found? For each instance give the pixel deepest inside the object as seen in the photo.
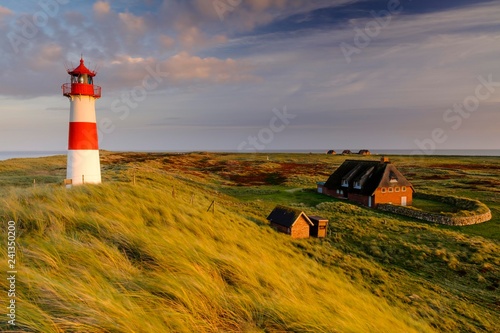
(5, 155)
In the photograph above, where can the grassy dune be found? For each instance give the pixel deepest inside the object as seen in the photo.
(149, 257)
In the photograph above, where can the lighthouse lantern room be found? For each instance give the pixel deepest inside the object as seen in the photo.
(83, 147)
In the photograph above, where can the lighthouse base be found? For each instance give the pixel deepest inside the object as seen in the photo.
(84, 167)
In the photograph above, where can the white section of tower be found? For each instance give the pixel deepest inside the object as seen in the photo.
(84, 167)
(82, 109)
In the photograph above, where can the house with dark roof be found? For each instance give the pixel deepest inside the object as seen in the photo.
(290, 221)
(364, 152)
(369, 183)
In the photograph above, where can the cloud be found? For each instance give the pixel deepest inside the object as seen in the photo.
(46, 57)
(184, 67)
(134, 24)
(101, 8)
(4, 11)
(166, 41)
(192, 38)
(250, 14)
(266, 54)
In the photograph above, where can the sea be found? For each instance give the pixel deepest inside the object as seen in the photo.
(5, 155)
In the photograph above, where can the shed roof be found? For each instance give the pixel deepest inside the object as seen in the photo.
(286, 216)
(317, 218)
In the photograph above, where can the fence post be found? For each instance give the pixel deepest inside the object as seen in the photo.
(83, 179)
(212, 205)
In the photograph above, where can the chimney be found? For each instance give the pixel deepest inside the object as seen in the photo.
(384, 159)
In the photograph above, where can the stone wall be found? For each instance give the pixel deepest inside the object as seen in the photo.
(476, 212)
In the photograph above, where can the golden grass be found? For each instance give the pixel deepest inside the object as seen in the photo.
(150, 258)
(123, 258)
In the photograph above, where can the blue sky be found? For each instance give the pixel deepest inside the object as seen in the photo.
(256, 74)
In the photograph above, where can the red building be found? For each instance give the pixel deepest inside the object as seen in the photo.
(369, 183)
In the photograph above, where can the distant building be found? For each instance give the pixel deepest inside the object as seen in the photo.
(290, 221)
(369, 183)
(364, 152)
(346, 152)
(331, 152)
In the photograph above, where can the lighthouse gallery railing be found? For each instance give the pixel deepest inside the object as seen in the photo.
(81, 89)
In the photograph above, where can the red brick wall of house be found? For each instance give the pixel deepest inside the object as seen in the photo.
(332, 193)
(393, 197)
(362, 199)
(301, 228)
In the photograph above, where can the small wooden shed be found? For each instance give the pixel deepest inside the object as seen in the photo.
(290, 221)
(320, 226)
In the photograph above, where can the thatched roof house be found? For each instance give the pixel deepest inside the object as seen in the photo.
(369, 183)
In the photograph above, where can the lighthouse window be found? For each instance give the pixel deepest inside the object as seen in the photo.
(81, 79)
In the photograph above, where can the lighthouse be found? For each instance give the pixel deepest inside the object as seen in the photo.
(83, 147)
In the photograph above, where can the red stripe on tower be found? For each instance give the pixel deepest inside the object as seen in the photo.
(83, 136)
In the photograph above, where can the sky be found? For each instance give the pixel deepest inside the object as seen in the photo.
(255, 75)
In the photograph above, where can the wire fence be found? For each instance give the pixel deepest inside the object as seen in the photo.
(136, 177)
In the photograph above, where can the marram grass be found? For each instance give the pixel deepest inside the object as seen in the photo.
(123, 258)
(150, 258)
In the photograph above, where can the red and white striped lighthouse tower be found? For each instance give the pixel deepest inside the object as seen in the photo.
(83, 148)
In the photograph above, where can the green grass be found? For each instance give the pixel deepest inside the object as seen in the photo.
(433, 206)
(123, 258)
